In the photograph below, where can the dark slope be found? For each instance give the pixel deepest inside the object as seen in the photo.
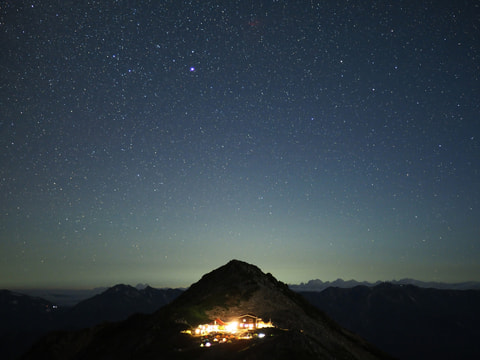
(23, 319)
(117, 303)
(227, 292)
(407, 321)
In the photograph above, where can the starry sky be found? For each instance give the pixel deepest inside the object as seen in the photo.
(153, 141)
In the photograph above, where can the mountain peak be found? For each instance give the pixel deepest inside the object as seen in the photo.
(230, 292)
(236, 271)
(236, 268)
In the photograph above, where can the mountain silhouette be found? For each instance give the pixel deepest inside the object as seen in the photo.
(319, 285)
(23, 319)
(301, 331)
(408, 321)
(117, 303)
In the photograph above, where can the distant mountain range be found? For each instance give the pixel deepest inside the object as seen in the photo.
(300, 330)
(71, 297)
(63, 297)
(117, 303)
(407, 321)
(25, 318)
(319, 285)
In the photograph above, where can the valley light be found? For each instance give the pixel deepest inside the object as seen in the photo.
(261, 335)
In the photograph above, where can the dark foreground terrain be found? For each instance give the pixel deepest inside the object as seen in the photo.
(301, 331)
(24, 319)
(405, 321)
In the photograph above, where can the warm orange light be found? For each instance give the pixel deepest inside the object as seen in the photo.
(232, 327)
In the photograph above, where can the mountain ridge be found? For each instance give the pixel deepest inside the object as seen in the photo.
(70, 297)
(117, 303)
(302, 331)
(346, 306)
(319, 285)
(407, 321)
(25, 318)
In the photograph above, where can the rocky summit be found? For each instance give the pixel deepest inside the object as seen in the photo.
(235, 311)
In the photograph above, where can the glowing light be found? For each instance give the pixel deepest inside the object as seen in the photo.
(232, 327)
(236, 329)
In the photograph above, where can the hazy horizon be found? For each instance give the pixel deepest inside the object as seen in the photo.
(165, 285)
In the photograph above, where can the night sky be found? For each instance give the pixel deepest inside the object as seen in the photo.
(153, 141)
